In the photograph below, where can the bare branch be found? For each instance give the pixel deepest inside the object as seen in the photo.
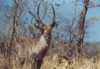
(33, 16)
(81, 23)
(44, 13)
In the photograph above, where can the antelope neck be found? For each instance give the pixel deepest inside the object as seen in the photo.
(47, 39)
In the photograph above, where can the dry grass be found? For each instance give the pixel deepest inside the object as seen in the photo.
(4, 64)
(85, 64)
(52, 62)
(56, 62)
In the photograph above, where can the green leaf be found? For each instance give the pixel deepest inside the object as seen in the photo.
(95, 18)
(57, 5)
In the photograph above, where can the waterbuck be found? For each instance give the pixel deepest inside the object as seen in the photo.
(35, 49)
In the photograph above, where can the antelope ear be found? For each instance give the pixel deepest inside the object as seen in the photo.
(53, 24)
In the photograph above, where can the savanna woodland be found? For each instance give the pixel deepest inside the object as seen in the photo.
(48, 34)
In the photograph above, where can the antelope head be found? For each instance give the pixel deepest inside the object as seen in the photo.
(45, 29)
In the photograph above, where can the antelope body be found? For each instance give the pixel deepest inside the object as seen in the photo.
(27, 47)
